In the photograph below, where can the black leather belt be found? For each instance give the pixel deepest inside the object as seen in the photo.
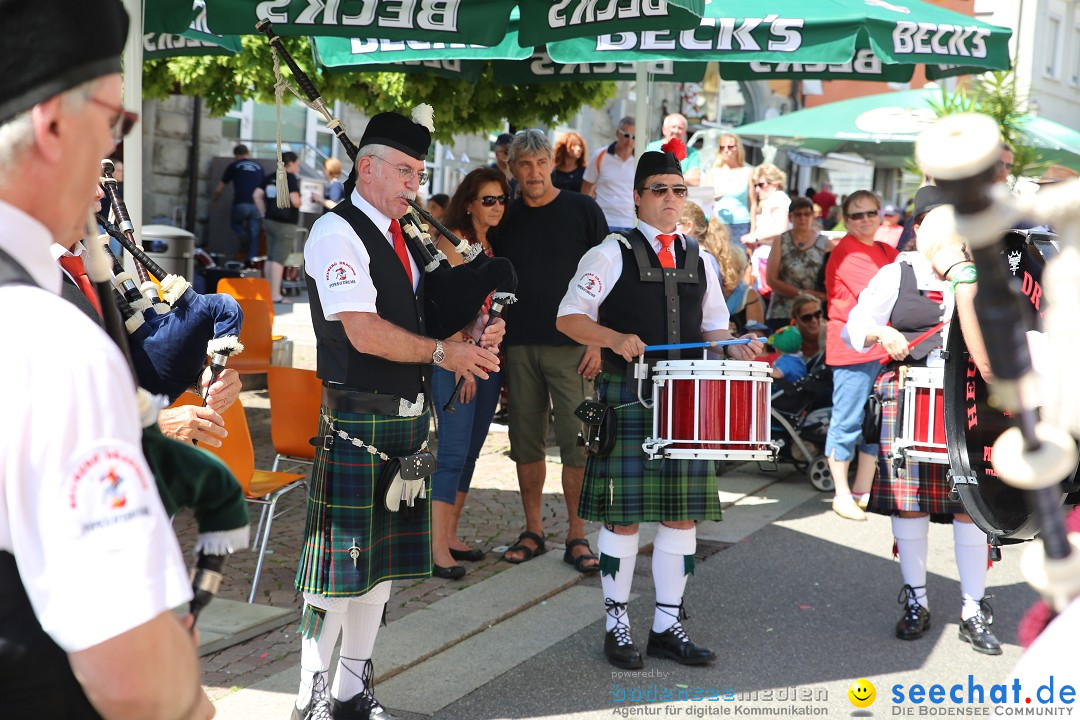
(369, 403)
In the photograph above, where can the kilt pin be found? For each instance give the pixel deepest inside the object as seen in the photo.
(343, 512)
(626, 488)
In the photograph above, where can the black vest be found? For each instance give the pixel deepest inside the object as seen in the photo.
(35, 676)
(74, 295)
(914, 313)
(639, 303)
(337, 360)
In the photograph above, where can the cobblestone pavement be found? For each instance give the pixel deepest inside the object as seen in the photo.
(492, 518)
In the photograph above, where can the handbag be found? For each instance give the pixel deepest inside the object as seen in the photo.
(871, 424)
(404, 482)
(599, 432)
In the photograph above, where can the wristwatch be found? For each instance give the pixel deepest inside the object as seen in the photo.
(439, 355)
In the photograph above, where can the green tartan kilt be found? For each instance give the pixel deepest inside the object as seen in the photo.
(624, 487)
(342, 510)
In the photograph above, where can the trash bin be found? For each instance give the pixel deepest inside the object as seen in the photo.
(170, 247)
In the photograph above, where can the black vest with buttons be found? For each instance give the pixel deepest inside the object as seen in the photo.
(338, 361)
(660, 305)
(914, 313)
(36, 680)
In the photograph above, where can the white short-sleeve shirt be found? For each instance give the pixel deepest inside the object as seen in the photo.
(339, 261)
(602, 266)
(79, 508)
(613, 184)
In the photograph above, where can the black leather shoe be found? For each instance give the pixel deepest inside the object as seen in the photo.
(359, 707)
(318, 707)
(470, 555)
(620, 649)
(975, 631)
(675, 645)
(915, 621)
(454, 572)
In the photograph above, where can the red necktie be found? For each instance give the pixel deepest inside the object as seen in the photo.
(400, 249)
(666, 258)
(73, 264)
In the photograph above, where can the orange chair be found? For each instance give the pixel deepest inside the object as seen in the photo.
(295, 404)
(261, 487)
(257, 338)
(249, 288)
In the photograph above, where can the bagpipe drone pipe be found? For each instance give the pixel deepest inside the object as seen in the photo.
(454, 294)
(1039, 451)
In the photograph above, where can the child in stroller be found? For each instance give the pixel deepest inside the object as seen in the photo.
(800, 413)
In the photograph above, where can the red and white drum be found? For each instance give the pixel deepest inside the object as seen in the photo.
(711, 410)
(921, 435)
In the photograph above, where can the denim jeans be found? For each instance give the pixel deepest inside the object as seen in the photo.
(852, 385)
(461, 434)
(246, 223)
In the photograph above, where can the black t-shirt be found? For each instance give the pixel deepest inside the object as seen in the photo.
(545, 244)
(568, 180)
(290, 214)
(245, 174)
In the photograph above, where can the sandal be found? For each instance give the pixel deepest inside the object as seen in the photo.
(525, 549)
(579, 561)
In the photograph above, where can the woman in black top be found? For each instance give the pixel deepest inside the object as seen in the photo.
(570, 154)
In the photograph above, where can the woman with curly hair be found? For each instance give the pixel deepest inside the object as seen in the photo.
(570, 154)
(743, 302)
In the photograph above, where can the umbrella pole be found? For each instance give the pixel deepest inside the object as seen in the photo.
(133, 166)
(641, 109)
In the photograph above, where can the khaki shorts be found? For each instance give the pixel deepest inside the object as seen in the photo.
(542, 378)
(280, 240)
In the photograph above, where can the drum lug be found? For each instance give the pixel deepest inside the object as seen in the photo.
(995, 553)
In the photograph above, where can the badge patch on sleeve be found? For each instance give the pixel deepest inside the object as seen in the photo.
(340, 276)
(108, 491)
(589, 284)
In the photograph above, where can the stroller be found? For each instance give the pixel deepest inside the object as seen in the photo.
(800, 414)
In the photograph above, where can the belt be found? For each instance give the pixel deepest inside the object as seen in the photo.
(371, 403)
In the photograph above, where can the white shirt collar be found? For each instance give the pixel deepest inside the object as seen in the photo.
(58, 251)
(381, 221)
(650, 234)
(28, 242)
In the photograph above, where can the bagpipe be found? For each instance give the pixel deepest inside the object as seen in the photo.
(1037, 453)
(166, 345)
(454, 294)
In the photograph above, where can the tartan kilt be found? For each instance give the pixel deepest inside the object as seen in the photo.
(342, 510)
(915, 487)
(625, 488)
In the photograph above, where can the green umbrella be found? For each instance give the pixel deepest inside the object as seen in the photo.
(195, 39)
(482, 22)
(884, 128)
(824, 32)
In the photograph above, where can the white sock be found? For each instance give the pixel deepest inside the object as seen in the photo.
(859, 496)
(670, 549)
(315, 656)
(617, 588)
(970, 546)
(912, 544)
(358, 640)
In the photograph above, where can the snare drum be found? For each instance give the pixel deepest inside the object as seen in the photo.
(711, 410)
(921, 437)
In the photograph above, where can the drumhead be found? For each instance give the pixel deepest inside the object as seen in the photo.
(971, 425)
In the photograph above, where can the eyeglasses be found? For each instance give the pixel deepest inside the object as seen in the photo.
(1005, 165)
(659, 190)
(761, 185)
(489, 200)
(729, 147)
(625, 135)
(862, 215)
(123, 122)
(807, 317)
(406, 173)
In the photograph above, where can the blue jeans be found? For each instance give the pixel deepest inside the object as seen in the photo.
(852, 384)
(246, 223)
(461, 434)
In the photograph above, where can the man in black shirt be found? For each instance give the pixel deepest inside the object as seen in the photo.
(246, 176)
(545, 233)
(280, 223)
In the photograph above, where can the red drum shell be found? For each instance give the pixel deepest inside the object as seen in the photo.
(923, 429)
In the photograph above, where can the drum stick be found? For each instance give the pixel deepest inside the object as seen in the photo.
(917, 340)
(698, 346)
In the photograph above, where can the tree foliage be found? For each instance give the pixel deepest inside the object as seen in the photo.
(460, 106)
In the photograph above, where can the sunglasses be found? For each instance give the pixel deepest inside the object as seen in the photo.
(120, 125)
(625, 135)
(659, 190)
(761, 185)
(807, 317)
(863, 215)
(489, 200)
(729, 147)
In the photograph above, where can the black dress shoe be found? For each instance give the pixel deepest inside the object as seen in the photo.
(975, 631)
(359, 707)
(454, 572)
(620, 649)
(470, 555)
(915, 621)
(318, 706)
(675, 645)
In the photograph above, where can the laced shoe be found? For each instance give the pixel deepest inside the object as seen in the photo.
(976, 631)
(318, 706)
(674, 643)
(362, 706)
(915, 621)
(619, 647)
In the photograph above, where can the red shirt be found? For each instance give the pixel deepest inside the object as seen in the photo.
(825, 200)
(850, 267)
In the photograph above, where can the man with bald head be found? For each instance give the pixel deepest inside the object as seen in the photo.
(675, 126)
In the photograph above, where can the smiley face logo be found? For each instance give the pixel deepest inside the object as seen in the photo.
(862, 693)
